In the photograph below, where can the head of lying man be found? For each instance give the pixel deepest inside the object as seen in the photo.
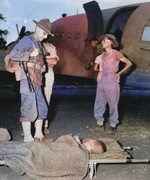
(94, 146)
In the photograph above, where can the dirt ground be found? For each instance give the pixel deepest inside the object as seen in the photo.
(71, 112)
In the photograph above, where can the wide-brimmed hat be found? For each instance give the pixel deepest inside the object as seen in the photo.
(110, 36)
(44, 24)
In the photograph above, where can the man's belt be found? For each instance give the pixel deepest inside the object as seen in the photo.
(36, 66)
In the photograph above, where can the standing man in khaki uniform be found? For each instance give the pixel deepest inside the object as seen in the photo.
(33, 105)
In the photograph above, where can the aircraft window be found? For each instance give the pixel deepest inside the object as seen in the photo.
(76, 37)
(62, 36)
(69, 36)
(146, 34)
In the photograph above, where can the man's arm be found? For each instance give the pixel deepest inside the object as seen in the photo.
(96, 67)
(128, 65)
(52, 57)
(10, 66)
(22, 50)
(51, 61)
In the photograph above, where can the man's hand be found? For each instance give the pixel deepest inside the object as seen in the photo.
(91, 63)
(51, 61)
(35, 52)
(16, 68)
(118, 77)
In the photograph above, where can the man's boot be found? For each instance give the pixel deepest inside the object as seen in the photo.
(27, 131)
(112, 130)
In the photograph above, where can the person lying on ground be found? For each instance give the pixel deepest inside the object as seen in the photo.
(66, 158)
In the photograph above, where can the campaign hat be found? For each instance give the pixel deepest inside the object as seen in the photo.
(44, 24)
(110, 36)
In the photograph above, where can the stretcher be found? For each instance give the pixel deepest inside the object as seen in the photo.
(116, 154)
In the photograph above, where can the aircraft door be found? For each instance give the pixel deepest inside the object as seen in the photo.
(117, 22)
(95, 19)
(95, 28)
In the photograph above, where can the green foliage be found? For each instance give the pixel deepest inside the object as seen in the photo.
(3, 33)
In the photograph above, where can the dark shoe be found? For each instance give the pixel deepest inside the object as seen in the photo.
(88, 67)
(112, 130)
(98, 128)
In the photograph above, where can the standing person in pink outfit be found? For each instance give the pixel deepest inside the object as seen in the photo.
(108, 90)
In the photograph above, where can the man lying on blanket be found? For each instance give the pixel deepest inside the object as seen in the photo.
(65, 159)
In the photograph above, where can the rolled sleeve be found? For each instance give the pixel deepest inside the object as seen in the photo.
(22, 50)
(52, 50)
(98, 59)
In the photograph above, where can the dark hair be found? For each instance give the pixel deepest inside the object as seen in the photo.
(99, 145)
(93, 39)
(104, 146)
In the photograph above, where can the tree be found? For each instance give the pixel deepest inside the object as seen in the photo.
(3, 33)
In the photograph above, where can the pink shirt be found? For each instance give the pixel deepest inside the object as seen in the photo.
(111, 64)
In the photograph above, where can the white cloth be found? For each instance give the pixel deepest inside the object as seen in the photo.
(98, 60)
(49, 81)
(4, 135)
